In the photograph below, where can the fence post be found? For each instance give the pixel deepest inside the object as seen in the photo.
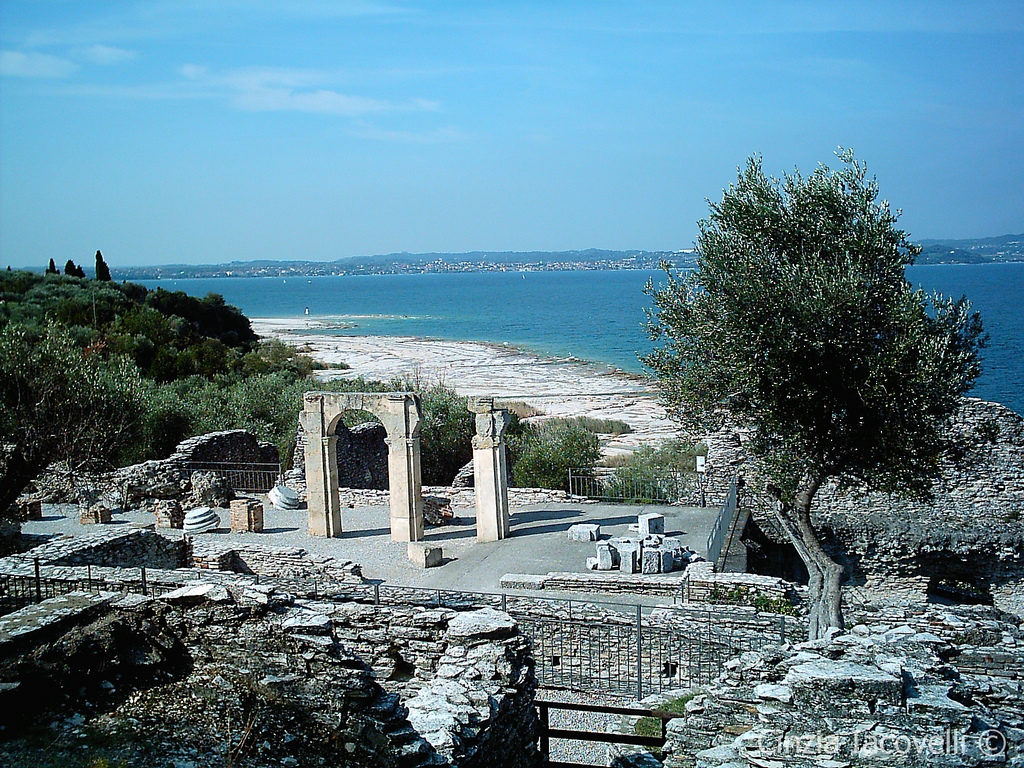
(639, 655)
(504, 602)
(88, 575)
(143, 569)
(543, 747)
(39, 586)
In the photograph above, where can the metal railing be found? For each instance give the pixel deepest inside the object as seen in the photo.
(723, 523)
(631, 486)
(244, 477)
(545, 732)
(586, 646)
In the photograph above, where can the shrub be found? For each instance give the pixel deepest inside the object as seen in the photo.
(543, 454)
(655, 474)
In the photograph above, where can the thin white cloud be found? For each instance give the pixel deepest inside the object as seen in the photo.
(104, 55)
(271, 89)
(31, 64)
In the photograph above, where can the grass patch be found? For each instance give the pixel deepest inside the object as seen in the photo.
(597, 426)
(651, 726)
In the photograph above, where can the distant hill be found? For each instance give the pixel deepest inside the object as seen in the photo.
(981, 250)
(413, 263)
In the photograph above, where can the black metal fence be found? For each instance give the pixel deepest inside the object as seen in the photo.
(587, 646)
(630, 485)
(244, 477)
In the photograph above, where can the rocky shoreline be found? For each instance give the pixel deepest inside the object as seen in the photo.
(557, 387)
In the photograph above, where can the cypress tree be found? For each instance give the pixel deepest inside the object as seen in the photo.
(52, 268)
(102, 270)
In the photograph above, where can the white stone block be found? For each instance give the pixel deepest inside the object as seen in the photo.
(629, 556)
(584, 532)
(605, 557)
(593, 564)
(650, 560)
(424, 555)
(651, 524)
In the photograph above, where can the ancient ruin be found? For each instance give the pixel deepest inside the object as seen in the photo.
(401, 414)
(490, 469)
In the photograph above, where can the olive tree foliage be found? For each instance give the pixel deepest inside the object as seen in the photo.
(798, 322)
(59, 403)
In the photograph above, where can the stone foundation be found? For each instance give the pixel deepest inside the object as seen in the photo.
(169, 514)
(97, 514)
(246, 516)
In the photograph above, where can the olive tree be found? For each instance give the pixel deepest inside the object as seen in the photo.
(798, 322)
(60, 403)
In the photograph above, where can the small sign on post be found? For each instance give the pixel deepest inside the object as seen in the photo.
(701, 470)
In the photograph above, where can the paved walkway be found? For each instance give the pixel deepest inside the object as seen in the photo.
(538, 543)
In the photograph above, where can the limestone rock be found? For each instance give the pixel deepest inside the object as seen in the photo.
(482, 624)
(208, 489)
(584, 532)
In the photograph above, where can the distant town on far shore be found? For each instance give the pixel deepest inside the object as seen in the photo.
(1004, 248)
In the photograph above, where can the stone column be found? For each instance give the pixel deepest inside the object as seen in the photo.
(490, 470)
(321, 459)
(402, 422)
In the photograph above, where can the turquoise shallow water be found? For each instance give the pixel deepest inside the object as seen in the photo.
(592, 315)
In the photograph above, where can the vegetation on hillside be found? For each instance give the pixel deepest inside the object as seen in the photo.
(193, 366)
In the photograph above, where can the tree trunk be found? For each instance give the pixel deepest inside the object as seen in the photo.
(824, 573)
(15, 475)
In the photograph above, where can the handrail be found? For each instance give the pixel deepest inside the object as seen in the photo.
(545, 732)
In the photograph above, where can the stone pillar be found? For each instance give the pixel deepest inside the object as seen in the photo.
(405, 483)
(490, 470)
(321, 460)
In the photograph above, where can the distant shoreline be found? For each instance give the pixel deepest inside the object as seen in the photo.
(557, 386)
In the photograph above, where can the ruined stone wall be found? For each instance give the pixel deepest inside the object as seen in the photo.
(245, 676)
(271, 562)
(897, 690)
(133, 548)
(697, 583)
(362, 456)
(233, 445)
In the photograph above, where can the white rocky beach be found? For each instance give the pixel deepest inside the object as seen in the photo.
(557, 387)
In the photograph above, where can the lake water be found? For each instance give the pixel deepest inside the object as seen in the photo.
(591, 315)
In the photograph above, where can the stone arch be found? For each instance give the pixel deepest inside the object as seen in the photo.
(401, 414)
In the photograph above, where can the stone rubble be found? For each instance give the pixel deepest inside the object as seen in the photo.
(880, 695)
(212, 674)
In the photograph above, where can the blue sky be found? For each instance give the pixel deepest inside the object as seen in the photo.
(203, 131)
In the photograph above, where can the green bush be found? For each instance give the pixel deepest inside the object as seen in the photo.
(446, 434)
(655, 474)
(543, 454)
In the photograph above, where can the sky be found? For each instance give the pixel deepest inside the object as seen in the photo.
(201, 131)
